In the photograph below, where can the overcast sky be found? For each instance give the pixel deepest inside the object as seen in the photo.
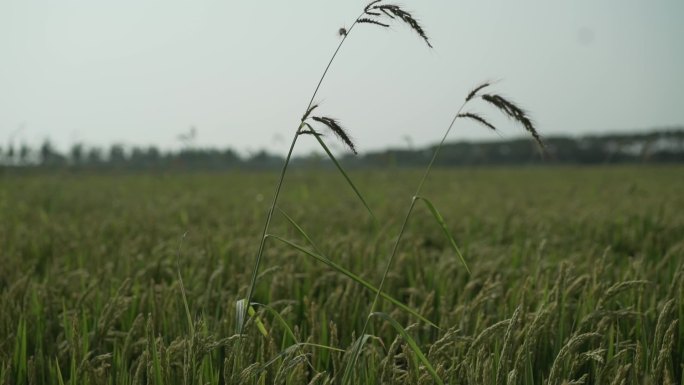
(141, 72)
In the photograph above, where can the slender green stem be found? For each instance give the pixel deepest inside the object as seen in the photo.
(395, 248)
(260, 252)
(332, 58)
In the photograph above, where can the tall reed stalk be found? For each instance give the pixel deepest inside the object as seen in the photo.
(511, 110)
(379, 14)
(370, 15)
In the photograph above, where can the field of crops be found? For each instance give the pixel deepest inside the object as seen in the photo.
(577, 276)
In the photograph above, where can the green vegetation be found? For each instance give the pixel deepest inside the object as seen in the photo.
(575, 273)
(104, 285)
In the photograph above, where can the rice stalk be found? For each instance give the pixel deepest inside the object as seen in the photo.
(507, 349)
(663, 321)
(664, 357)
(573, 344)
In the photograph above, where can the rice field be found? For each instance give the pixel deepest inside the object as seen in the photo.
(577, 277)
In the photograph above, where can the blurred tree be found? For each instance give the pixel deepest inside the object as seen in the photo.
(77, 154)
(24, 153)
(49, 156)
(94, 157)
(117, 155)
(10, 154)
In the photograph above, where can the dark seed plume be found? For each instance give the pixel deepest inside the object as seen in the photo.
(396, 11)
(371, 21)
(476, 90)
(477, 118)
(308, 112)
(516, 113)
(335, 127)
(310, 132)
(387, 13)
(371, 4)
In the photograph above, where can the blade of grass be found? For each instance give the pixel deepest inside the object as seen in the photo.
(353, 277)
(240, 317)
(438, 217)
(299, 230)
(60, 378)
(347, 373)
(344, 173)
(280, 320)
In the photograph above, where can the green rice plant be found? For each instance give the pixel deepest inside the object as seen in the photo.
(565, 217)
(556, 374)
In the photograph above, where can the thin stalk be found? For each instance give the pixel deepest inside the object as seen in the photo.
(395, 248)
(260, 252)
(325, 72)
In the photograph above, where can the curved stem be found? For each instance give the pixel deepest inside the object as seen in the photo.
(395, 248)
(260, 252)
(332, 58)
(262, 242)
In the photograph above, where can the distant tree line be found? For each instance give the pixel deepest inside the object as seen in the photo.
(660, 146)
(136, 158)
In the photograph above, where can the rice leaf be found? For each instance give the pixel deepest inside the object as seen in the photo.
(280, 320)
(60, 379)
(240, 321)
(440, 220)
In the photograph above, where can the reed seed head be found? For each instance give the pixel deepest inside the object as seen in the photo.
(335, 127)
(477, 89)
(310, 132)
(371, 4)
(371, 21)
(516, 113)
(477, 118)
(308, 112)
(374, 8)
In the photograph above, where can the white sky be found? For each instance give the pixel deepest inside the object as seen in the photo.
(140, 72)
